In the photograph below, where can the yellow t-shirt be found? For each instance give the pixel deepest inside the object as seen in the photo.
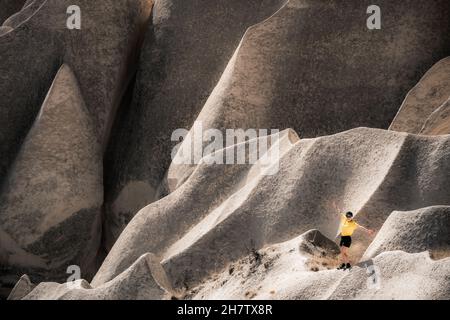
(348, 227)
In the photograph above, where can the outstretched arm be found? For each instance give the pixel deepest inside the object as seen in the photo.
(369, 231)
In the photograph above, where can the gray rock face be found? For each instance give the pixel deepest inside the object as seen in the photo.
(33, 51)
(139, 282)
(223, 231)
(276, 68)
(187, 47)
(9, 7)
(23, 287)
(438, 122)
(289, 71)
(20, 105)
(51, 199)
(21, 16)
(360, 169)
(316, 243)
(416, 231)
(423, 110)
(401, 276)
(281, 276)
(4, 30)
(279, 271)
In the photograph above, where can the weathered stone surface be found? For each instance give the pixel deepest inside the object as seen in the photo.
(51, 199)
(432, 92)
(249, 222)
(291, 70)
(278, 69)
(188, 45)
(400, 276)
(21, 289)
(438, 122)
(139, 282)
(315, 243)
(281, 276)
(413, 232)
(222, 231)
(102, 55)
(21, 16)
(9, 7)
(222, 211)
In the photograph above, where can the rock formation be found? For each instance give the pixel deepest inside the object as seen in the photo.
(101, 54)
(288, 71)
(425, 109)
(142, 281)
(413, 232)
(51, 199)
(439, 121)
(188, 45)
(89, 177)
(10, 7)
(361, 169)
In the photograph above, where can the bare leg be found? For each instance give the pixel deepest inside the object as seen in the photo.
(341, 256)
(344, 255)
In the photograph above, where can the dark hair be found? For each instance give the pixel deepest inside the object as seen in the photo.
(349, 214)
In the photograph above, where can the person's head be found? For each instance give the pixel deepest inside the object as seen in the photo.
(349, 215)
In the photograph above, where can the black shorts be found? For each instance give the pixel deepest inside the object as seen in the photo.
(346, 241)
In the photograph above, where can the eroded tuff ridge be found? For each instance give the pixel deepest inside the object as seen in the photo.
(86, 118)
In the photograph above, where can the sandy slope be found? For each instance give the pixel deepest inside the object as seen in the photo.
(199, 230)
(425, 109)
(290, 70)
(439, 121)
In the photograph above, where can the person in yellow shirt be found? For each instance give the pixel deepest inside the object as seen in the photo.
(348, 226)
